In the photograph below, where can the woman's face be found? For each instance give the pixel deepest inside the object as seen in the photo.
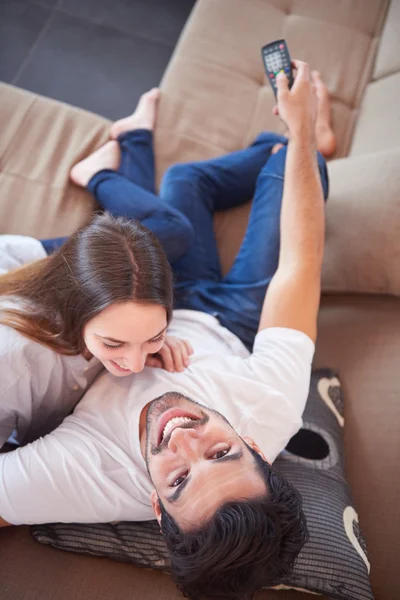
(123, 334)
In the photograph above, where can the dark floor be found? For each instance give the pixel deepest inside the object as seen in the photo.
(96, 54)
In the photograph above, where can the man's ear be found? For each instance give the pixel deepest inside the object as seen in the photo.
(250, 442)
(156, 506)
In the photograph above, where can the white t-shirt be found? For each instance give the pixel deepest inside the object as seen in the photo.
(38, 387)
(90, 469)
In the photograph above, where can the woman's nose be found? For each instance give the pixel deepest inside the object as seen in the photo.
(136, 361)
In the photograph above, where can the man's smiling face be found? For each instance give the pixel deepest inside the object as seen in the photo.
(196, 460)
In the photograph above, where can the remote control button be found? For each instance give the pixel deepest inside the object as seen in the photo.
(271, 76)
(287, 70)
(281, 46)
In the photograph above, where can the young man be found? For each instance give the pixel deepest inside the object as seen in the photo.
(195, 447)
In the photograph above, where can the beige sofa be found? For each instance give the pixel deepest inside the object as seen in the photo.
(216, 99)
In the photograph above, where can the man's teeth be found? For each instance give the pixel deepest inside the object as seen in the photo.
(174, 423)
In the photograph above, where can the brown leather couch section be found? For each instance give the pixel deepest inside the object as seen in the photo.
(30, 571)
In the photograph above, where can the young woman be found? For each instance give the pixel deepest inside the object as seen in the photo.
(102, 298)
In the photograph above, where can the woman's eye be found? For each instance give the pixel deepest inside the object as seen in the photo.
(220, 454)
(179, 480)
(112, 347)
(157, 340)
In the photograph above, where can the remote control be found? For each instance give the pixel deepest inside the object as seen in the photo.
(276, 58)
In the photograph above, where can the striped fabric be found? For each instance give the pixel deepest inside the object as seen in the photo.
(334, 560)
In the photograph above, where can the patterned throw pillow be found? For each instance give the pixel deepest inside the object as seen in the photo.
(334, 560)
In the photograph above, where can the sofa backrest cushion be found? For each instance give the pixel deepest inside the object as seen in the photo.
(40, 140)
(378, 124)
(362, 251)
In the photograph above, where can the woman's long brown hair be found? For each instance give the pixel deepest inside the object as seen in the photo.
(113, 259)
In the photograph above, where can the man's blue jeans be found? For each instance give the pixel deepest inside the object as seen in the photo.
(182, 218)
(198, 190)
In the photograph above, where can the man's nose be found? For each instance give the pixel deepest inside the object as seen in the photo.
(184, 441)
(135, 361)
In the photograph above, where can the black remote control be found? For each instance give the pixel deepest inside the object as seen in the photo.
(276, 58)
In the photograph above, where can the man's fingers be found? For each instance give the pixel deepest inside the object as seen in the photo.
(282, 83)
(302, 68)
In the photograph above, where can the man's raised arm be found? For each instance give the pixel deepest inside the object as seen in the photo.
(292, 298)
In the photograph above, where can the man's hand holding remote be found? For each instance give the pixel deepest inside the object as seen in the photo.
(297, 107)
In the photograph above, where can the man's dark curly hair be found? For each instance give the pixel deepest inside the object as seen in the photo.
(245, 546)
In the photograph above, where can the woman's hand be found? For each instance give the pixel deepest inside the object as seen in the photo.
(173, 356)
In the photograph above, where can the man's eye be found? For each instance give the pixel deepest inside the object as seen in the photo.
(179, 480)
(220, 454)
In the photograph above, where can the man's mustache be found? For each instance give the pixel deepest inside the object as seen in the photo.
(164, 442)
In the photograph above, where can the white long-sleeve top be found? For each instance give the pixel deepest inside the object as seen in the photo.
(38, 387)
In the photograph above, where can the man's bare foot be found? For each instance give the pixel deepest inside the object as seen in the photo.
(106, 157)
(326, 139)
(144, 116)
